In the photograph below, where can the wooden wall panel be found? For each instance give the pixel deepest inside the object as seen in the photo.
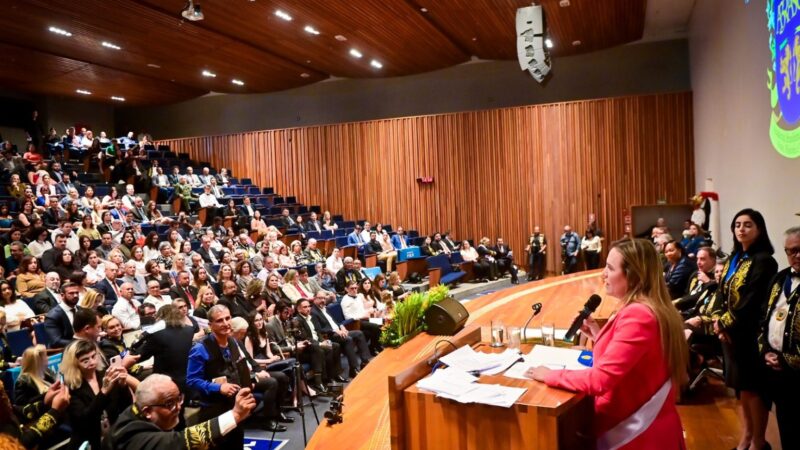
(497, 172)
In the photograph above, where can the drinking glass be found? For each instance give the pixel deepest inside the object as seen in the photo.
(513, 337)
(498, 330)
(548, 334)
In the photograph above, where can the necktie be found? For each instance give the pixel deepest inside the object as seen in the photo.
(787, 285)
(189, 296)
(300, 290)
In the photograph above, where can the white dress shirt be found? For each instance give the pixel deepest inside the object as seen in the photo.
(127, 313)
(334, 264)
(777, 327)
(310, 323)
(206, 200)
(158, 302)
(353, 307)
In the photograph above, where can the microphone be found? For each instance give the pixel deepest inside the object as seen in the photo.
(588, 308)
(537, 308)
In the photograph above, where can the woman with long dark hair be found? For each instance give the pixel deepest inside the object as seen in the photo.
(741, 298)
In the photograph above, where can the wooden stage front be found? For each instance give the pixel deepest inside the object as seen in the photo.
(709, 418)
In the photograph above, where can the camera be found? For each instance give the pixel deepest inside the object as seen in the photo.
(334, 414)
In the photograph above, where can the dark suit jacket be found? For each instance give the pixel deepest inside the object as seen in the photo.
(341, 279)
(243, 211)
(170, 348)
(288, 222)
(320, 322)
(314, 225)
(502, 254)
(177, 291)
(50, 217)
(277, 334)
(58, 328)
(235, 305)
(44, 302)
(305, 331)
(139, 217)
(104, 287)
(677, 278)
(206, 254)
(48, 261)
(440, 245)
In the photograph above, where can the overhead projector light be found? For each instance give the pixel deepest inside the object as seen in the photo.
(192, 12)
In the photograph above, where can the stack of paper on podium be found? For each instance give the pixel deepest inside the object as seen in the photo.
(552, 357)
(466, 359)
(457, 385)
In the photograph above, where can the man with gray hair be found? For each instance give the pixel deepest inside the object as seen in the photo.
(137, 281)
(347, 274)
(151, 421)
(50, 296)
(126, 309)
(218, 368)
(312, 252)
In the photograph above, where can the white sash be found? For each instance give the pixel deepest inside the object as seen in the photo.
(634, 425)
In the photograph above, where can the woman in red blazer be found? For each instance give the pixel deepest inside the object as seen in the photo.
(640, 357)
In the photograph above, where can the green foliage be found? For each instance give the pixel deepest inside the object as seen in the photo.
(409, 314)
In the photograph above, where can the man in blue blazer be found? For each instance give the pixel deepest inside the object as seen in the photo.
(400, 240)
(109, 286)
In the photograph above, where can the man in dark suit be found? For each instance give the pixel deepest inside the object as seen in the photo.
(286, 219)
(505, 260)
(447, 239)
(313, 223)
(175, 177)
(109, 286)
(336, 332)
(183, 289)
(205, 251)
(307, 352)
(48, 262)
(53, 214)
(310, 331)
(48, 299)
(232, 299)
(58, 321)
(701, 283)
(440, 245)
(63, 187)
(138, 211)
(247, 210)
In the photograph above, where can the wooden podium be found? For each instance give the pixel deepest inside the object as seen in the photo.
(543, 418)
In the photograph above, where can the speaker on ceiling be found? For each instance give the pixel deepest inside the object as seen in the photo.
(531, 52)
(446, 317)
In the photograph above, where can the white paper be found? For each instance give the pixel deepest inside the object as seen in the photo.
(536, 333)
(468, 360)
(552, 357)
(376, 320)
(458, 386)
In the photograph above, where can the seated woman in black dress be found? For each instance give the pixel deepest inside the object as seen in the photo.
(678, 270)
(35, 378)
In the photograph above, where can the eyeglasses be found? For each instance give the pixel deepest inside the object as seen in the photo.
(792, 251)
(172, 405)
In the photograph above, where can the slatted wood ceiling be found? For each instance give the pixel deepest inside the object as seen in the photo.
(497, 172)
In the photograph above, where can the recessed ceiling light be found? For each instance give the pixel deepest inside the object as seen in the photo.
(154, 66)
(424, 9)
(563, 3)
(283, 15)
(548, 43)
(311, 30)
(355, 53)
(110, 45)
(237, 82)
(206, 73)
(83, 91)
(376, 64)
(304, 75)
(340, 38)
(119, 99)
(474, 39)
(60, 31)
(576, 43)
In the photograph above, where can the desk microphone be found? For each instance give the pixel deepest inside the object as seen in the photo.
(537, 308)
(588, 308)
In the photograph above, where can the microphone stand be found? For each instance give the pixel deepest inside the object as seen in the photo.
(537, 308)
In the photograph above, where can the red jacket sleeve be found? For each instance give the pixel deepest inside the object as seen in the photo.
(634, 332)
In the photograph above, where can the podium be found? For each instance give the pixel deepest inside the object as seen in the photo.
(543, 418)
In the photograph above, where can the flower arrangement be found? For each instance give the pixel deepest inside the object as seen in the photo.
(408, 316)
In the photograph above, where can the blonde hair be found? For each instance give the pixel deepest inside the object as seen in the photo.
(106, 320)
(91, 299)
(290, 276)
(202, 292)
(646, 286)
(34, 364)
(70, 367)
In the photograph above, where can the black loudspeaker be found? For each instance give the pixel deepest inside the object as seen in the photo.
(446, 317)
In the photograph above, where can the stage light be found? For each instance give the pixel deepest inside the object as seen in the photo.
(192, 12)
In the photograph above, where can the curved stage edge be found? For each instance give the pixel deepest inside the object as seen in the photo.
(366, 398)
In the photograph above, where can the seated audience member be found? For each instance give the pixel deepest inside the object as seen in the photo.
(222, 177)
(16, 310)
(244, 274)
(152, 421)
(109, 285)
(183, 288)
(323, 281)
(441, 245)
(312, 254)
(31, 424)
(349, 341)
(156, 274)
(189, 321)
(334, 263)
(386, 252)
(126, 308)
(131, 275)
(206, 299)
(58, 321)
(310, 332)
(88, 229)
(93, 266)
(258, 344)
(678, 270)
(396, 288)
(328, 223)
(233, 300)
(50, 296)
(695, 239)
(287, 221)
(353, 309)
(487, 255)
(280, 327)
(155, 297)
(184, 191)
(192, 177)
(348, 274)
(371, 296)
(93, 393)
(700, 281)
(483, 271)
(400, 240)
(779, 343)
(427, 248)
(209, 201)
(30, 279)
(112, 344)
(505, 260)
(355, 237)
(219, 355)
(34, 379)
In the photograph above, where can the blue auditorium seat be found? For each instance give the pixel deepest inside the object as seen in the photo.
(448, 275)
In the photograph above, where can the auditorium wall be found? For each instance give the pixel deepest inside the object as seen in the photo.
(495, 172)
(729, 60)
(627, 70)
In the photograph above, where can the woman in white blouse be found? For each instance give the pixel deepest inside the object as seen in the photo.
(334, 262)
(591, 246)
(353, 309)
(16, 310)
(41, 244)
